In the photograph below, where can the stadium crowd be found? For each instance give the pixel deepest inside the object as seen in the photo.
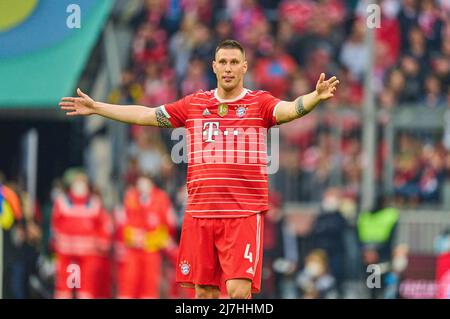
(288, 43)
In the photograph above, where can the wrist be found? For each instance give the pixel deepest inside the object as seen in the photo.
(96, 107)
(317, 96)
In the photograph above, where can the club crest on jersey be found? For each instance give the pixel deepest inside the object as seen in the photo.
(206, 112)
(185, 267)
(223, 110)
(240, 111)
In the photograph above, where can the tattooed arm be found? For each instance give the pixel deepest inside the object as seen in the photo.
(132, 114)
(288, 111)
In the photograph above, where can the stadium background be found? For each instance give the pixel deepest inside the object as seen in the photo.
(383, 141)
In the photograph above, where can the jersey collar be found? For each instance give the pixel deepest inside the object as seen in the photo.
(240, 96)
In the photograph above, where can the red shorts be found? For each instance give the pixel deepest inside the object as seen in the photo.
(214, 250)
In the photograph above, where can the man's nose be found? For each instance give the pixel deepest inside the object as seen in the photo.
(228, 67)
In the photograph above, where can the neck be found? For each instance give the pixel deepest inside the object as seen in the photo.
(229, 95)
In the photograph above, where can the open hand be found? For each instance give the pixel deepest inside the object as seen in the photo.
(82, 105)
(326, 89)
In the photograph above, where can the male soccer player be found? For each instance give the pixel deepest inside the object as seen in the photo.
(221, 240)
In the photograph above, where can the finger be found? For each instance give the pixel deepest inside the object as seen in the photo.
(69, 99)
(72, 113)
(332, 79)
(68, 108)
(80, 93)
(332, 88)
(66, 104)
(335, 83)
(322, 77)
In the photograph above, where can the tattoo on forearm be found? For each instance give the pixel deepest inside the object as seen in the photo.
(299, 108)
(161, 118)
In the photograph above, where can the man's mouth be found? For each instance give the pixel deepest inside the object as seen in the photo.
(228, 78)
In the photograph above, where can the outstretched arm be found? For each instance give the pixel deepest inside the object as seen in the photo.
(288, 111)
(132, 114)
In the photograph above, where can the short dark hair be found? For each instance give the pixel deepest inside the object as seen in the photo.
(230, 44)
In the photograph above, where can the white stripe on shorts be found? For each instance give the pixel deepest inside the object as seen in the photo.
(258, 240)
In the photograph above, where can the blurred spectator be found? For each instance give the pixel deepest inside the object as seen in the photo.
(196, 78)
(315, 281)
(433, 96)
(244, 19)
(441, 68)
(407, 18)
(158, 86)
(223, 31)
(77, 220)
(396, 82)
(354, 53)
(204, 51)
(150, 152)
(376, 230)
(132, 171)
(324, 31)
(388, 35)
(406, 177)
(14, 234)
(413, 79)
(327, 233)
(417, 45)
(350, 93)
(10, 207)
(320, 58)
(129, 92)
(148, 228)
(153, 12)
(149, 45)
(273, 72)
(430, 22)
(280, 251)
(204, 48)
(299, 13)
(399, 263)
(388, 100)
(432, 173)
(180, 45)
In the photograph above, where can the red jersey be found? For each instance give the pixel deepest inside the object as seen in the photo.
(226, 147)
(79, 226)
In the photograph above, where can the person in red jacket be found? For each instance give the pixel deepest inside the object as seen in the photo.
(149, 228)
(103, 287)
(77, 218)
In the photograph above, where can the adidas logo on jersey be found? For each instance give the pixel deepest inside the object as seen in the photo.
(250, 271)
(206, 112)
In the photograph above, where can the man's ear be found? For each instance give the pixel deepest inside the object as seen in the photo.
(245, 66)
(214, 66)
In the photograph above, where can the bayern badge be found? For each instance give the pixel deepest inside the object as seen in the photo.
(240, 111)
(185, 267)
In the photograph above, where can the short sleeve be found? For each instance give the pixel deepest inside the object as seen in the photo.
(176, 112)
(268, 105)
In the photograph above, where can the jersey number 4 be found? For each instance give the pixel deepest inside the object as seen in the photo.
(248, 255)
